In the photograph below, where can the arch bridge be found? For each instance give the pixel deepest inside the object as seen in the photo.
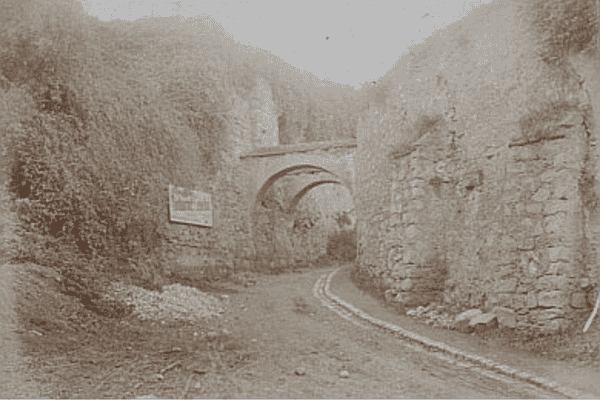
(304, 166)
(314, 163)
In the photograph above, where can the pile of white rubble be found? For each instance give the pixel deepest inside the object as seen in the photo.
(175, 303)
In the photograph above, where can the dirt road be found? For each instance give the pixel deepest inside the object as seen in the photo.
(278, 341)
(303, 348)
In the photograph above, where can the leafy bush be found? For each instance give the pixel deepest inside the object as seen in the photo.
(14, 105)
(98, 118)
(564, 26)
(106, 130)
(342, 245)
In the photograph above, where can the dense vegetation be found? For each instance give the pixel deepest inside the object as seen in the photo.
(565, 26)
(98, 118)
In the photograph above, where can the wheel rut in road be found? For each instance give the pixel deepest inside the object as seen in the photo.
(474, 368)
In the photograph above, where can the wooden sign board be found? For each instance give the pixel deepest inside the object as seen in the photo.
(190, 206)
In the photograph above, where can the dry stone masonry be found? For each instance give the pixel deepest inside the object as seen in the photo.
(285, 233)
(227, 246)
(255, 191)
(486, 197)
(277, 178)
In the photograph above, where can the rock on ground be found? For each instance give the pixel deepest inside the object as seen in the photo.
(483, 322)
(506, 317)
(462, 320)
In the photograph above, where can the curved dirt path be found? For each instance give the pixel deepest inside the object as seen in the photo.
(282, 341)
(302, 347)
(465, 351)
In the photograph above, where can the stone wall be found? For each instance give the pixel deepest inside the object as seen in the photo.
(227, 245)
(278, 180)
(314, 220)
(222, 248)
(263, 118)
(474, 177)
(272, 226)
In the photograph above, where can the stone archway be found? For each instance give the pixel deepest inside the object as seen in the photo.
(292, 171)
(277, 227)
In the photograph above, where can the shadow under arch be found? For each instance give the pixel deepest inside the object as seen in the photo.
(256, 228)
(301, 193)
(267, 183)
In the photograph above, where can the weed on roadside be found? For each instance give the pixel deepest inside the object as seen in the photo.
(74, 352)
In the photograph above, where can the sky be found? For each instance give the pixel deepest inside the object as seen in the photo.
(349, 42)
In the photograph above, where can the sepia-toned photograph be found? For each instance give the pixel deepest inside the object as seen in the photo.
(299, 199)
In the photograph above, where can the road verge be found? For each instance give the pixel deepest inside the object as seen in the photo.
(348, 311)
